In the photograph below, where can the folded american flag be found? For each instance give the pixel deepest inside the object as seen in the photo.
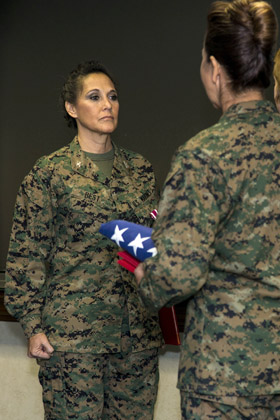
(134, 238)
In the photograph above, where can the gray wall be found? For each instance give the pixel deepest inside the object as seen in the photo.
(153, 48)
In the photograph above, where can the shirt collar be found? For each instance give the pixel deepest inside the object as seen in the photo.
(85, 166)
(262, 106)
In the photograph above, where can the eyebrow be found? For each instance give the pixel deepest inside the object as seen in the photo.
(98, 90)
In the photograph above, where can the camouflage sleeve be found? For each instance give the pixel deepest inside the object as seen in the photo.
(30, 245)
(194, 201)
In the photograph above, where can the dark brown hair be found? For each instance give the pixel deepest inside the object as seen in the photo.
(241, 35)
(74, 84)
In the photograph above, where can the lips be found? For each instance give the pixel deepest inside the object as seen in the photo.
(107, 117)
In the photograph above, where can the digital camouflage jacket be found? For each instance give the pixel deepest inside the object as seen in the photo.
(218, 241)
(62, 276)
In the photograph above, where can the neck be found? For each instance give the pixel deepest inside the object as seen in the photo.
(232, 99)
(95, 143)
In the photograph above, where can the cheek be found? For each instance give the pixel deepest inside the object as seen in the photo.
(275, 90)
(200, 70)
(88, 111)
(116, 108)
(202, 76)
(203, 71)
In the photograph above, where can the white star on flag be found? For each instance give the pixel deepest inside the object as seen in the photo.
(117, 237)
(153, 251)
(138, 243)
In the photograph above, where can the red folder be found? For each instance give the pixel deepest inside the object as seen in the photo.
(167, 316)
(169, 326)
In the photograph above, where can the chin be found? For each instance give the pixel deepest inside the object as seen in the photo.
(108, 129)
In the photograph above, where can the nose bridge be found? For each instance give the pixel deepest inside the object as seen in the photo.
(107, 102)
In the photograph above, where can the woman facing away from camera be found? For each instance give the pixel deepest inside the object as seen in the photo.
(96, 345)
(218, 229)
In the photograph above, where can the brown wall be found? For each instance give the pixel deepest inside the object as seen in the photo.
(153, 47)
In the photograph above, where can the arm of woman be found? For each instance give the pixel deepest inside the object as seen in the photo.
(30, 245)
(184, 233)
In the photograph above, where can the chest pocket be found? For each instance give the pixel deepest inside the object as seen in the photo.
(137, 206)
(83, 211)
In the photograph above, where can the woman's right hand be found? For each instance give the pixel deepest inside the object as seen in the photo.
(139, 273)
(39, 347)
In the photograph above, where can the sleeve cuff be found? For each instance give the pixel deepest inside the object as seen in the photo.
(31, 325)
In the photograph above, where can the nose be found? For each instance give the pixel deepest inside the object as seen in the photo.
(107, 103)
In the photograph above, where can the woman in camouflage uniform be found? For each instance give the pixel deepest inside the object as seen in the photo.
(96, 345)
(218, 229)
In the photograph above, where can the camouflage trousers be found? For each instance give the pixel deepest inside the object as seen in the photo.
(107, 386)
(265, 407)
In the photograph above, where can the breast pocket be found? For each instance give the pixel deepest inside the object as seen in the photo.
(82, 214)
(142, 206)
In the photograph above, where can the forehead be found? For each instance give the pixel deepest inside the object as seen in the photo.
(98, 81)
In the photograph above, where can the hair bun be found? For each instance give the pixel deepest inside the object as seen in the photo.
(242, 35)
(255, 17)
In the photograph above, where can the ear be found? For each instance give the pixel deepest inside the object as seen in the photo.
(216, 70)
(71, 109)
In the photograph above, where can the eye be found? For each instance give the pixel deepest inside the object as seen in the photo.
(113, 97)
(94, 97)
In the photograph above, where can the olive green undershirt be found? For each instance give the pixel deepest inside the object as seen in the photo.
(104, 161)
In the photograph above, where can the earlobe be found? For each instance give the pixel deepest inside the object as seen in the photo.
(71, 109)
